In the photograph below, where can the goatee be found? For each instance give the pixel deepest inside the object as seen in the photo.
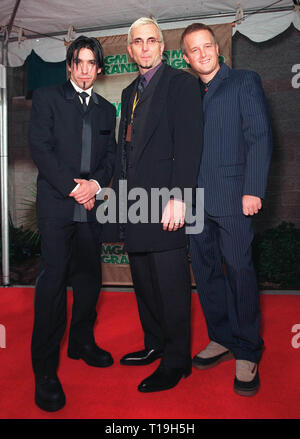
(145, 67)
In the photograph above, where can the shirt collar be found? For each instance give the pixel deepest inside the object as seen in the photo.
(79, 90)
(207, 84)
(150, 73)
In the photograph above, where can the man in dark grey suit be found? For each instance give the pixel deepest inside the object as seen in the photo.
(234, 169)
(72, 141)
(159, 147)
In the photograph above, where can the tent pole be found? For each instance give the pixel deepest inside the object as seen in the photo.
(4, 156)
(13, 15)
(4, 171)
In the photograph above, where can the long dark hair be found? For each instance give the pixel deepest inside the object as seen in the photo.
(89, 43)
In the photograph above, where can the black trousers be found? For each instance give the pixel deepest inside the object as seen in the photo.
(230, 300)
(70, 251)
(163, 291)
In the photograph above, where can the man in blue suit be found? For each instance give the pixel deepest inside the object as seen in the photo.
(237, 150)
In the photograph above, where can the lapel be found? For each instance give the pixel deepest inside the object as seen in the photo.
(131, 92)
(221, 75)
(71, 95)
(159, 96)
(126, 95)
(148, 92)
(94, 100)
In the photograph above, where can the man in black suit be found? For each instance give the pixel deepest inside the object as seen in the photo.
(237, 151)
(72, 141)
(159, 147)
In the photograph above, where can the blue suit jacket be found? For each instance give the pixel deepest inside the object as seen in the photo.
(237, 144)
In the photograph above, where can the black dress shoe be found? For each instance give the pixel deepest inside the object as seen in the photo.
(91, 354)
(49, 394)
(206, 363)
(141, 358)
(163, 378)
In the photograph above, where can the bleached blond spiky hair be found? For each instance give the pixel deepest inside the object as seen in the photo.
(140, 22)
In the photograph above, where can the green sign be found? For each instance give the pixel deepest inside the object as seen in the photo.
(113, 254)
(119, 64)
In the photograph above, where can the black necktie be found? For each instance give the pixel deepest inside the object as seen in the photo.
(204, 87)
(80, 213)
(141, 86)
(83, 96)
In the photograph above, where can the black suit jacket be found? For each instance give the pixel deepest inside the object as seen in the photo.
(55, 137)
(168, 151)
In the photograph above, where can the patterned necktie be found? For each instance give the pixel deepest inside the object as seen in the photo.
(83, 96)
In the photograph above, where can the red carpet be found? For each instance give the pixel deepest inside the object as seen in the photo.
(111, 393)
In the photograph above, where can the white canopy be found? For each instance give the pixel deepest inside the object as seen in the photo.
(109, 17)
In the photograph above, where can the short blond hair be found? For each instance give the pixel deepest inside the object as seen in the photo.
(141, 21)
(195, 27)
